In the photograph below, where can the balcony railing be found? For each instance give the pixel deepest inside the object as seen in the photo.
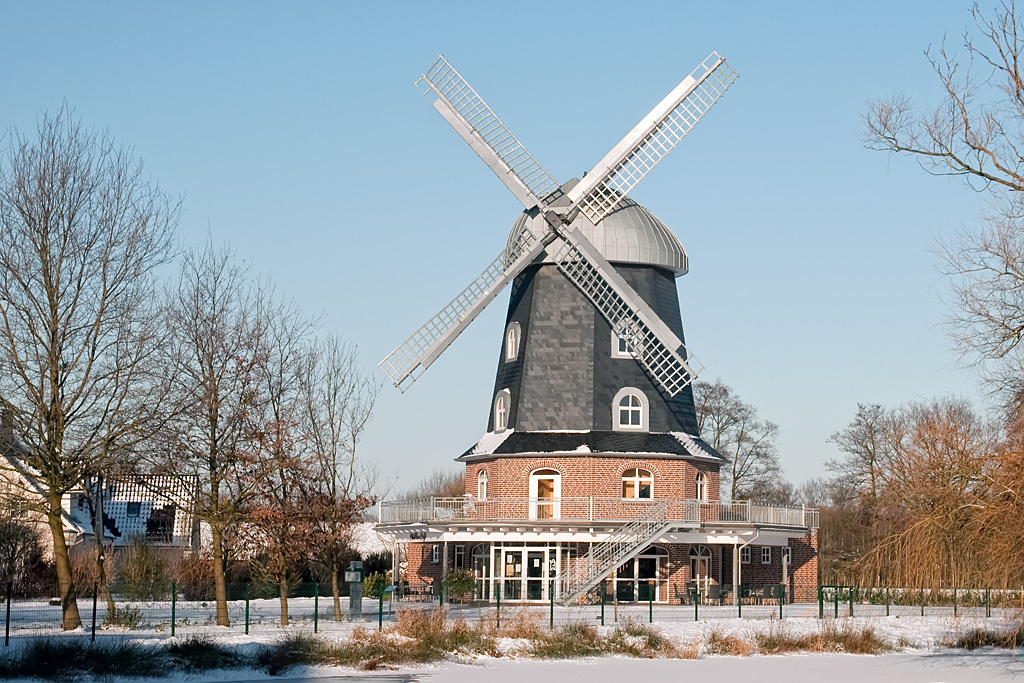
(592, 509)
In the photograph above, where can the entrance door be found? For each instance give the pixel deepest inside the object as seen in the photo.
(700, 566)
(512, 588)
(535, 562)
(482, 572)
(545, 492)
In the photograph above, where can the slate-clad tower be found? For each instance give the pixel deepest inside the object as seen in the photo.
(562, 372)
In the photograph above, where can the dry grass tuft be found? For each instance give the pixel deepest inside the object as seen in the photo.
(1008, 638)
(719, 643)
(641, 640)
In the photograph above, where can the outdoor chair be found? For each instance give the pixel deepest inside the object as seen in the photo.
(714, 596)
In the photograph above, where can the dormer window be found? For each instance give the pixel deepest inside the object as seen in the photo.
(629, 410)
(502, 403)
(512, 338)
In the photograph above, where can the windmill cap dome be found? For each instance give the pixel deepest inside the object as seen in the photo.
(629, 234)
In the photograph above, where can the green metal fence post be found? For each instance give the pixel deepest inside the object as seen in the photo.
(836, 601)
(380, 611)
(887, 601)
(922, 601)
(696, 602)
(551, 595)
(316, 606)
(174, 603)
(498, 611)
(650, 606)
(440, 593)
(95, 593)
(604, 593)
(739, 602)
(954, 603)
(988, 603)
(851, 600)
(782, 599)
(821, 603)
(7, 622)
(247, 609)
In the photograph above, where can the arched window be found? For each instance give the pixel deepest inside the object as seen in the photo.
(502, 403)
(637, 483)
(512, 337)
(481, 484)
(545, 493)
(702, 486)
(629, 410)
(700, 565)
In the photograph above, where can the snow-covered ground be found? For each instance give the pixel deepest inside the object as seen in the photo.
(921, 657)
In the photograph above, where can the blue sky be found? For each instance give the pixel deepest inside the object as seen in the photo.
(295, 134)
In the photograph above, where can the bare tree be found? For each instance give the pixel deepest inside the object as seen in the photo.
(442, 483)
(81, 232)
(279, 514)
(215, 318)
(732, 428)
(339, 403)
(867, 444)
(976, 131)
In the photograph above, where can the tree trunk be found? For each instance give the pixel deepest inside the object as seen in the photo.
(335, 592)
(101, 573)
(220, 585)
(68, 594)
(284, 602)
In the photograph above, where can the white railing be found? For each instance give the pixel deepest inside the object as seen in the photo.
(593, 509)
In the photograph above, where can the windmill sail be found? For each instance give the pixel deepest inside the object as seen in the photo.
(482, 130)
(405, 364)
(650, 140)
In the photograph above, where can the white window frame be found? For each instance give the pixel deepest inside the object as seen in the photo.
(435, 552)
(701, 489)
(460, 557)
(481, 484)
(618, 350)
(553, 507)
(513, 337)
(766, 554)
(745, 555)
(644, 411)
(502, 406)
(637, 479)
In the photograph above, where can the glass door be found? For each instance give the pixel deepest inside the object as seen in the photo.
(535, 562)
(512, 586)
(545, 491)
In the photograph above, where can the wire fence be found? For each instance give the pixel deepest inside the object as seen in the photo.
(311, 607)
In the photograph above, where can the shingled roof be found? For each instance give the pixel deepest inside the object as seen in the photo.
(664, 444)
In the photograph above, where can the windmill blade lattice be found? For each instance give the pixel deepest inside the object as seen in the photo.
(477, 123)
(405, 364)
(651, 342)
(654, 137)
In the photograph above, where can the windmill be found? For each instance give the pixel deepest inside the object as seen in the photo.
(561, 210)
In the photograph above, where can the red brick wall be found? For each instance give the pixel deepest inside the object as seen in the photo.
(596, 476)
(804, 574)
